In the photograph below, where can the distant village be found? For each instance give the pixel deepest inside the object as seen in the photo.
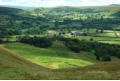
(74, 33)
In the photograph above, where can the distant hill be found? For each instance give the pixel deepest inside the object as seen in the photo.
(37, 20)
(115, 4)
(65, 10)
(19, 7)
(6, 10)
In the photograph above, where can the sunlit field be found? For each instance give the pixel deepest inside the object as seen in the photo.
(57, 56)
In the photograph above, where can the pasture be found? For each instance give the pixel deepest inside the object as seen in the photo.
(108, 36)
(55, 57)
(15, 67)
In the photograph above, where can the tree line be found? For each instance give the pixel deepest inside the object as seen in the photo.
(103, 52)
(43, 42)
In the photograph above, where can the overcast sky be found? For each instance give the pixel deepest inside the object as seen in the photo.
(52, 3)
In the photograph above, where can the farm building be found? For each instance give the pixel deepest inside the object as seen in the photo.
(51, 34)
(68, 34)
(78, 33)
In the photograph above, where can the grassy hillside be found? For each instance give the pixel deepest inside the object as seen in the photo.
(72, 11)
(57, 56)
(23, 61)
(39, 20)
(13, 66)
(99, 71)
(15, 21)
(9, 11)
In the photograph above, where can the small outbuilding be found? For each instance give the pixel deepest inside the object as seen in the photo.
(78, 33)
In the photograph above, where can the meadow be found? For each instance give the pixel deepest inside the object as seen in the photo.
(55, 57)
(106, 37)
(15, 67)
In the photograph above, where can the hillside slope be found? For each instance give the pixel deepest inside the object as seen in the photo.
(37, 21)
(52, 57)
(9, 11)
(13, 66)
(15, 21)
(100, 71)
(70, 11)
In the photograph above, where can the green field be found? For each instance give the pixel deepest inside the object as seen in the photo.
(35, 63)
(57, 56)
(110, 40)
(14, 67)
(19, 61)
(108, 36)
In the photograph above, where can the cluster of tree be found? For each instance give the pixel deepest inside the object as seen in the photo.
(17, 25)
(16, 22)
(103, 52)
(102, 23)
(1, 41)
(42, 42)
(77, 45)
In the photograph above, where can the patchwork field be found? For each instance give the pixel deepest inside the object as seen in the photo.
(108, 36)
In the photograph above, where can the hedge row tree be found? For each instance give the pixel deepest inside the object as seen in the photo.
(103, 52)
(42, 42)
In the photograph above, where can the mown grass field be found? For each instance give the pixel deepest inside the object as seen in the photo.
(55, 57)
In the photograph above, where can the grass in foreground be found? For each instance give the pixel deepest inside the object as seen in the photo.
(14, 67)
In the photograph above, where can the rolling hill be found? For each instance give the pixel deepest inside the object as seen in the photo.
(18, 7)
(13, 66)
(20, 61)
(36, 21)
(16, 68)
(69, 10)
(115, 4)
(9, 11)
(52, 57)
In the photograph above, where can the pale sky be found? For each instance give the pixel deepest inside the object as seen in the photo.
(52, 3)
